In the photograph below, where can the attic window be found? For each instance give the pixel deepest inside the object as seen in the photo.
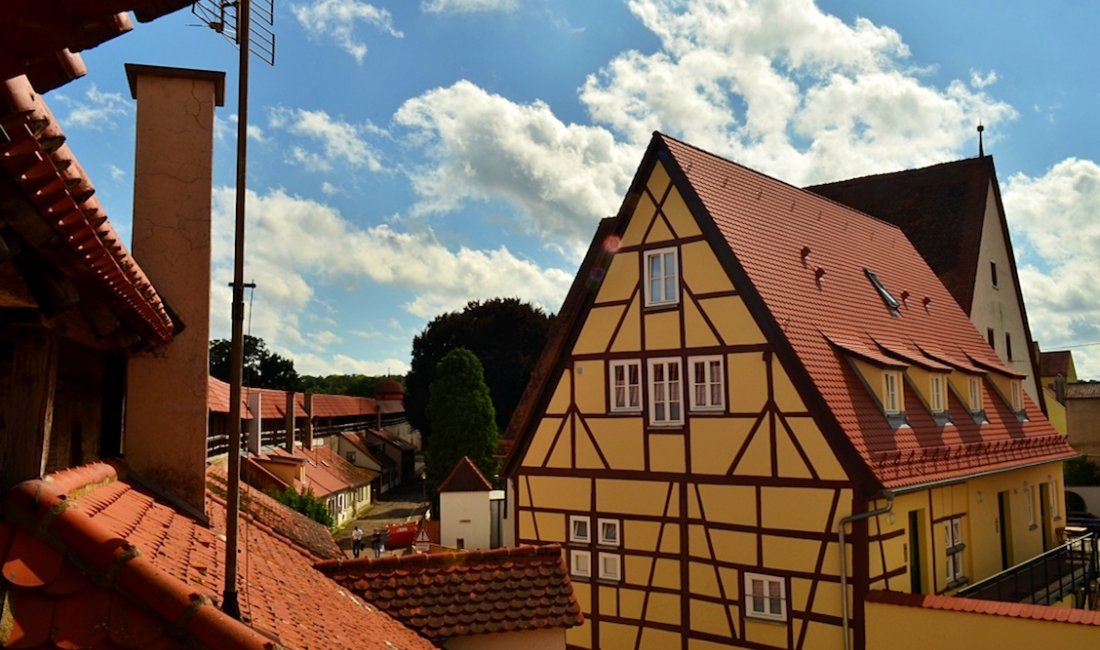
(892, 303)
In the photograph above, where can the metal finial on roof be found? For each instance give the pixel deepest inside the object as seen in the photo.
(981, 147)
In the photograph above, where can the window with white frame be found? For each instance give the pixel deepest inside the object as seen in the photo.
(578, 529)
(609, 532)
(662, 284)
(1030, 494)
(626, 386)
(665, 392)
(938, 393)
(1017, 398)
(580, 564)
(1052, 493)
(610, 566)
(954, 547)
(975, 394)
(765, 597)
(708, 384)
(891, 392)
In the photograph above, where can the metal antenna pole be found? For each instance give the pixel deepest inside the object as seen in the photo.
(230, 605)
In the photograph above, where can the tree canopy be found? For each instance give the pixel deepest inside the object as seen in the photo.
(262, 367)
(358, 385)
(505, 334)
(463, 419)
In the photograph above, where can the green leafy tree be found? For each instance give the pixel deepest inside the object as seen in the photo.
(505, 334)
(357, 385)
(262, 367)
(462, 416)
(1081, 472)
(306, 503)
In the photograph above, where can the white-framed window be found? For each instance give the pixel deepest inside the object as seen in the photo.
(938, 394)
(580, 563)
(1052, 494)
(975, 394)
(610, 566)
(765, 597)
(708, 385)
(609, 532)
(952, 530)
(662, 281)
(891, 392)
(665, 392)
(1030, 494)
(579, 529)
(1017, 397)
(626, 386)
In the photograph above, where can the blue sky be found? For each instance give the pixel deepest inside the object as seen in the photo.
(409, 156)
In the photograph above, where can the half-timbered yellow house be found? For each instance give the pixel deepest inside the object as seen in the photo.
(760, 406)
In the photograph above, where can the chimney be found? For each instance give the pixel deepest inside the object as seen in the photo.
(166, 388)
(307, 431)
(290, 421)
(255, 404)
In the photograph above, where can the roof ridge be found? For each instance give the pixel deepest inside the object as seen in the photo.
(119, 563)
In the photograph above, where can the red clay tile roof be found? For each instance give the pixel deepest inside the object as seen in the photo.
(465, 477)
(941, 209)
(130, 571)
(445, 595)
(1055, 362)
(273, 403)
(327, 472)
(989, 607)
(1083, 390)
(766, 224)
(53, 182)
(282, 520)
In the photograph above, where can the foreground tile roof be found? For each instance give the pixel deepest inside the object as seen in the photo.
(976, 606)
(444, 595)
(767, 226)
(94, 560)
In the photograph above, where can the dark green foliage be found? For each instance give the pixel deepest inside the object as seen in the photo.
(463, 419)
(262, 368)
(357, 385)
(306, 503)
(507, 335)
(1081, 472)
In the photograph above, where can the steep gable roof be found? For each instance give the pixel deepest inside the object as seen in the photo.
(444, 595)
(93, 559)
(940, 208)
(327, 472)
(465, 477)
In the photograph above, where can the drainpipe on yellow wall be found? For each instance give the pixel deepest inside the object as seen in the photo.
(889, 496)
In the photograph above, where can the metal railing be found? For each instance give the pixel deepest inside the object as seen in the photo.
(1045, 579)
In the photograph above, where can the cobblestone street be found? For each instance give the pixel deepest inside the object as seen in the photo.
(400, 505)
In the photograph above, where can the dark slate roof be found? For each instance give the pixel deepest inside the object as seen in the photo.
(465, 477)
(941, 209)
(444, 595)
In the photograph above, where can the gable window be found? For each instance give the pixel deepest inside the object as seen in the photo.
(609, 532)
(993, 271)
(610, 566)
(975, 394)
(580, 564)
(578, 529)
(765, 597)
(626, 386)
(953, 548)
(891, 392)
(707, 383)
(661, 286)
(665, 392)
(938, 393)
(1008, 346)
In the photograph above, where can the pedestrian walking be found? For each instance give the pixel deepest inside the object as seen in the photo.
(356, 541)
(376, 543)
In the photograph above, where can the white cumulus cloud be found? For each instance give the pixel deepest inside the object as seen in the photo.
(340, 142)
(337, 19)
(96, 110)
(467, 6)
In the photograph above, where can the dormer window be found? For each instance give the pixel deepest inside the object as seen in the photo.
(1017, 396)
(892, 303)
(891, 392)
(975, 395)
(937, 393)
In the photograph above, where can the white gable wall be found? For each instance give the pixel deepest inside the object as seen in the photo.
(464, 515)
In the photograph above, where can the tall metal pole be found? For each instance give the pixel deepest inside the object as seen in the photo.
(230, 605)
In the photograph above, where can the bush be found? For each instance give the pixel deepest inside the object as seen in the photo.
(1081, 471)
(306, 503)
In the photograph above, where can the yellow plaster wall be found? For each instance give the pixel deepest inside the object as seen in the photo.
(785, 395)
(666, 452)
(799, 508)
(629, 337)
(817, 448)
(658, 181)
(766, 633)
(591, 386)
(732, 319)
(709, 617)
(659, 232)
(560, 493)
(639, 221)
(872, 375)
(697, 333)
(714, 443)
(702, 271)
(662, 330)
(727, 504)
(621, 441)
(748, 390)
(679, 216)
(563, 394)
(621, 279)
(633, 497)
(597, 329)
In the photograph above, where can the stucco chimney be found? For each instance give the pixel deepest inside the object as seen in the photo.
(166, 388)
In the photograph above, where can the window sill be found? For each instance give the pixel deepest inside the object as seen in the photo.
(958, 582)
(760, 618)
(1032, 526)
(661, 306)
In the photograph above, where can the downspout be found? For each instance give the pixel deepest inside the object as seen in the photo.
(844, 559)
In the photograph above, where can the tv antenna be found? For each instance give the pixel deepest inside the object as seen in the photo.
(233, 19)
(221, 16)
